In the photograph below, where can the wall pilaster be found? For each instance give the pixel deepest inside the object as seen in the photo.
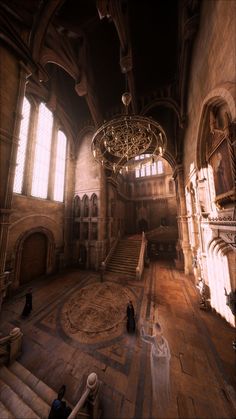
(13, 75)
(182, 219)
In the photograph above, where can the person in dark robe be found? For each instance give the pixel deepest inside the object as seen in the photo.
(28, 303)
(130, 318)
(59, 409)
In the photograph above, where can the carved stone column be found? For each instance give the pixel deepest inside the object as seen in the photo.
(28, 176)
(69, 191)
(52, 166)
(103, 216)
(13, 76)
(182, 219)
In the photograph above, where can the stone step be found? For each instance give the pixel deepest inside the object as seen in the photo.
(39, 387)
(14, 403)
(129, 248)
(130, 274)
(125, 258)
(23, 391)
(124, 246)
(122, 261)
(125, 254)
(4, 412)
(122, 266)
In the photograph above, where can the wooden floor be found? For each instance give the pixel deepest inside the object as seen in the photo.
(78, 326)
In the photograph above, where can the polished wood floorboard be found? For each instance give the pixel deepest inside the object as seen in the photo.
(78, 326)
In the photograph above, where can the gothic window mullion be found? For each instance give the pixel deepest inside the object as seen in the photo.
(27, 184)
(51, 178)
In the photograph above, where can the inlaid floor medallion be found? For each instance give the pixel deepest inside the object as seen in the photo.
(96, 312)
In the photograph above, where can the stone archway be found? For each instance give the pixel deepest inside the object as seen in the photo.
(34, 255)
(219, 277)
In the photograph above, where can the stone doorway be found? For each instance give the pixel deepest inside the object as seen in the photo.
(34, 257)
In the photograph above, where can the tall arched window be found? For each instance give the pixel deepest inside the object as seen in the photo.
(21, 152)
(85, 206)
(42, 153)
(150, 168)
(76, 206)
(159, 167)
(58, 194)
(94, 205)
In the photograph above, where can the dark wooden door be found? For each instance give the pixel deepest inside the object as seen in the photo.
(34, 256)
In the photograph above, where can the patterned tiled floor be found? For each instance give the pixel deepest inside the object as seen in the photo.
(78, 326)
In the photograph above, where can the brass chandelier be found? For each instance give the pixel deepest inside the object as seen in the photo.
(118, 143)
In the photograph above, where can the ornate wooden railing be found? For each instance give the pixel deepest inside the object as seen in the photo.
(11, 346)
(90, 398)
(140, 266)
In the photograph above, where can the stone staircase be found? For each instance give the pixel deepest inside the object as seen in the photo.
(125, 257)
(22, 395)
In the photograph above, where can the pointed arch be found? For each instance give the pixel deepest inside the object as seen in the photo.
(85, 206)
(18, 250)
(94, 205)
(76, 206)
(219, 277)
(217, 97)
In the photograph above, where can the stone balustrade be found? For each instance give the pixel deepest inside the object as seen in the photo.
(11, 346)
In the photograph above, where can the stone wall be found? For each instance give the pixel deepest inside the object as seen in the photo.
(212, 91)
(213, 66)
(30, 215)
(90, 179)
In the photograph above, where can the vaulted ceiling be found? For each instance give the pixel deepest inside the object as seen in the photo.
(83, 54)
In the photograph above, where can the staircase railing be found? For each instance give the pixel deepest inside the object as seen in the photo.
(11, 346)
(109, 255)
(140, 266)
(91, 396)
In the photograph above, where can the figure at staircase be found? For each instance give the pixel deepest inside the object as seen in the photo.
(28, 303)
(59, 409)
(130, 318)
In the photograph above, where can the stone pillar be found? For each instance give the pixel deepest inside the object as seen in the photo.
(102, 211)
(69, 192)
(13, 76)
(182, 219)
(52, 167)
(28, 176)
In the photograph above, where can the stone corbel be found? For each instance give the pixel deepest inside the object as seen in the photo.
(81, 86)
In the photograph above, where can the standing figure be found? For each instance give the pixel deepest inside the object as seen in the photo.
(160, 361)
(130, 318)
(59, 409)
(28, 303)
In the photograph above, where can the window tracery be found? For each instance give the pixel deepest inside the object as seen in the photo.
(48, 144)
(150, 168)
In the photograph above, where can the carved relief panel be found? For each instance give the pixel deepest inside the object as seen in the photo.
(220, 155)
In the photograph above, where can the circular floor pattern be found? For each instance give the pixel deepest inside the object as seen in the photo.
(96, 312)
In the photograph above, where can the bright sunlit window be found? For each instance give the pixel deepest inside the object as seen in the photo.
(21, 152)
(159, 166)
(148, 169)
(42, 153)
(60, 167)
